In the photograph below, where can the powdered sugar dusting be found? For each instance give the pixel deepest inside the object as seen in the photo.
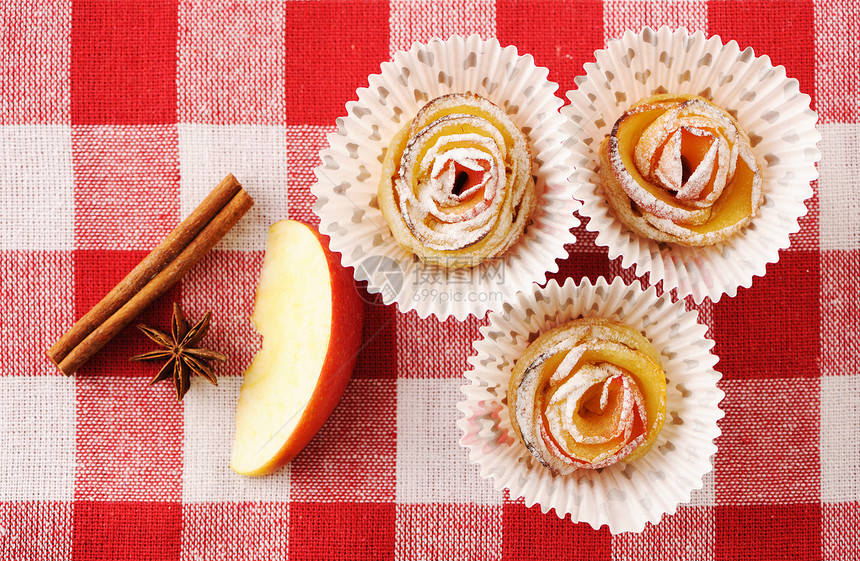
(623, 495)
(679, 184)
(347, 187)
(554, 411)
(778, 118)
(456, 141)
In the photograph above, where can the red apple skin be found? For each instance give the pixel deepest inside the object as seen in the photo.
(341, 355)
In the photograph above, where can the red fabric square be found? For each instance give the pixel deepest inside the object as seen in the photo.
(34, 83)
(449, 531)
(781, 30)
(353, 457)
(378, 355)
(96, 273)
(126, 185)
(413, 335)
(120, 531)
(706, 315)
(37, 295)
(840, 310)
(686, 535)
(344, 531)
(224, 282)
(531, 535)
(773, 532)
(769, 448)
(123, 66)
(837, 543)
(585, 240)
(577, 31)
(331, 48)
(586, 264)
(236, 531)
(303, 147)
(35, 530)
(128, 443)
(772, 330)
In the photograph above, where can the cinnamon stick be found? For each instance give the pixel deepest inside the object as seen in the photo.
(183, 248)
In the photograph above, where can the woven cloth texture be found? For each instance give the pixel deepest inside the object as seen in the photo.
(118, 116)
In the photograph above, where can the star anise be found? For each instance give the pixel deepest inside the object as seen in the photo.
(183, 358)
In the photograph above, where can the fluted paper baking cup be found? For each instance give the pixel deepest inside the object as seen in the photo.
(348, 178)
(623, 496)
(769, 107)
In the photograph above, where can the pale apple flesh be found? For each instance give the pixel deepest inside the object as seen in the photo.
(310, 315)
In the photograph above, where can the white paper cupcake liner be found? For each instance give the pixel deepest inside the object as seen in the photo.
(349, 176)
(767, 104)
(623, 496)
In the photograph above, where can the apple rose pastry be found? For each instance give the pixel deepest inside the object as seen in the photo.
(588, 394)
(677, 168)
(457, 185)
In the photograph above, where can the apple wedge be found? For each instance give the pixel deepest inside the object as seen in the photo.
(310, 315)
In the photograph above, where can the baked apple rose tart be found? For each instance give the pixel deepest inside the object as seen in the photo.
(457, 185)
(679, 169)
(588, 394)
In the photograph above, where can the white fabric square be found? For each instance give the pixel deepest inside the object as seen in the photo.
(431, 465)
(706, 496)
(37, 438)
(209, 430)
(230, 68)
(256, 155)
(840, 438)
(621, 15)
(422, 20)
(37, 186)
(837, 186)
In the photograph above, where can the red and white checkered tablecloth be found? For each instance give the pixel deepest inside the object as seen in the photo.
(116, 117)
